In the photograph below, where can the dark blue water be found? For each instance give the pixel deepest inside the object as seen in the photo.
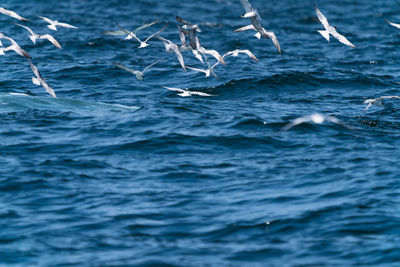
(120, 172)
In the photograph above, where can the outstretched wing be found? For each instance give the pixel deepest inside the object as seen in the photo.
(274, 39)
(197, 69)
(179, 56)
(118, 65)
(174, 89)
(27, 28)
(246, 5)
(151, 65)
(114, 33)
(393, 24)
(245, 28)
(181, 20)
(146, 25)
(47, 20)
(215, 54)
(51, 39)
(322, 18)
(342, 39)
(66, 25)
(12, 14)
(199, 93)
(157, 33)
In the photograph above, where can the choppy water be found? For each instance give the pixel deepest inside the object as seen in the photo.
(121, 172)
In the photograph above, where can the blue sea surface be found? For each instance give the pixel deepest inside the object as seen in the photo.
(121, 172)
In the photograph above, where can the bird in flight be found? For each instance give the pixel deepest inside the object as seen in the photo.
(131, 34)
(139, 74)
(185, 93)
(142, 43)
(54, 23)
(315, 118)
(38, 80)
(14, 46)
(255, 25)
(235, 53)
(35, 36)
(378, 101)
(330, 30)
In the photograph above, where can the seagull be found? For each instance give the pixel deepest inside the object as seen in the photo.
(35, 36)
(252, 14)
(54, 23)
(40, 81)
(330, 30)
(142, 43)
(393, 24)
(171, 47)
(235, 53)
(208, 71)
(139, 74)
(315, 118)
(130, 34)
(15, 47)
(11, 14)
(185, 93)
(378, 101)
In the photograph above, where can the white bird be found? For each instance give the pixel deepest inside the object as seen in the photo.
(131, 34)
(143, 43)
(235, 53)
(38, 80)
(171, 47)
(11, 14)
(315, 118)
(208, 71)
(35, 36)
(378, 101)
(54, 23)
(329, 30)
(139, 74)
(393, 24)
(185, 93)
(252, 14)
(15, 47)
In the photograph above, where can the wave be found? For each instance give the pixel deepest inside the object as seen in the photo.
(11, 102)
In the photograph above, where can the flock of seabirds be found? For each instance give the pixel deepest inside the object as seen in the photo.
(189, 42)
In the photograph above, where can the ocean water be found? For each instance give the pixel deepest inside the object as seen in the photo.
(121, 172)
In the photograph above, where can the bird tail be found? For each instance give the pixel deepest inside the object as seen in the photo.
(33, 39)
(325, 34)
(258, 35)
(35, 81)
